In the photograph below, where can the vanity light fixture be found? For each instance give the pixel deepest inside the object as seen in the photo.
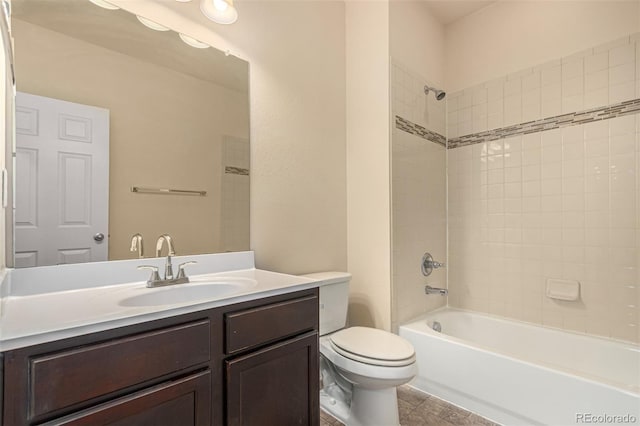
(193, 42)
(105, 4)
(219, 11)
(150, 24)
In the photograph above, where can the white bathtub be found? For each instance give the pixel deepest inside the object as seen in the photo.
(515, 373)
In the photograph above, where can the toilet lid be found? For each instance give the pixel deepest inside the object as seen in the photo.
(373, 346)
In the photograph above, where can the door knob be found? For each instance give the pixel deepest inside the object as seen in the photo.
(98, 237)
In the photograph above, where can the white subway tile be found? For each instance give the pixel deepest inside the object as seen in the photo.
(622, 92)
(531, 81)
(596, 148)
(465, 100)
(621, 163)
(512, 159)
(551, 108)
(572, 134)
(495, 147)
(479, 95)
(597, 165)
(550, 187)
(573, 87)
(551, 203)
(573, 168)
(551, 153)
(596, 130)
(513, 87)
(596, 98)
(597, 80)
(622, 125)
(513, 174)
(622, 144)
(623, 73)
(531, 188)
(572, 103)
(623, 182)
(596, 62)
(573, 202)
(596, 184)
(551, 169)
(533, 172)
(495, 121)
(531, 111)
(622, 55)
(495, 106)
(551, 75)
(495, 90)
(531, 156)
(572, 69)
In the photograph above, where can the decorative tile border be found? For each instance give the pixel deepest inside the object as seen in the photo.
(236, 171)
(416, 129)
(557, 122)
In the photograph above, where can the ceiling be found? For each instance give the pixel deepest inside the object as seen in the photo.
(120, 31)
(448, 11)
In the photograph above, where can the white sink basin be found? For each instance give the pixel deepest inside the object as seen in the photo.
(199, 289)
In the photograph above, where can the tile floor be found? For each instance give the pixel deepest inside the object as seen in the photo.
(421, 409)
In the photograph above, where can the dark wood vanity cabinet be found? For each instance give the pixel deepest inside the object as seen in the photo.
(250, 363)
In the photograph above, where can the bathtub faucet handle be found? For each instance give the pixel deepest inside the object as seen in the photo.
(428, 264)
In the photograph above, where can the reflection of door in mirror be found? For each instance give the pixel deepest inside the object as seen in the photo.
(62, 175)
(178, 119)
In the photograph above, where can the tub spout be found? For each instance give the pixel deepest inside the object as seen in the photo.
(434, 290)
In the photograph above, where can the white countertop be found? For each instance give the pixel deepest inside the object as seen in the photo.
(65, 308)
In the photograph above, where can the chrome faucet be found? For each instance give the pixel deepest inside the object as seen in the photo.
(136, 245)
(435, 290)
(168, 269)
(155, 280)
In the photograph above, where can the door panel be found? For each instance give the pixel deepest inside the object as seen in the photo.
(62, 181)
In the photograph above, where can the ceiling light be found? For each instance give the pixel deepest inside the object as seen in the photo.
(104, 4)
(220, 11)
(183, 1)
(193, 42)
(150, 24)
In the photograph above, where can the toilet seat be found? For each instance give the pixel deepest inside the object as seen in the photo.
(373, 346)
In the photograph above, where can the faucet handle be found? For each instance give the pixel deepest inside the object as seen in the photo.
(181, 267)
(154, 273)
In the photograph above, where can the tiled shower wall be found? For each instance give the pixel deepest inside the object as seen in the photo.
(418, 163)
(559, 201)
(234, 226)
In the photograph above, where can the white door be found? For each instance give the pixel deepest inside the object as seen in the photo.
(62, 182)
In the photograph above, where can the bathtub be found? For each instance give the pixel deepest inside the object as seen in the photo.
(515, 373)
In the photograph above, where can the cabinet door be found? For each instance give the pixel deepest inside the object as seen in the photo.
(275, 386)
(183, 402)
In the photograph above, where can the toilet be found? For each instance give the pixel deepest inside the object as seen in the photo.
(360, 366)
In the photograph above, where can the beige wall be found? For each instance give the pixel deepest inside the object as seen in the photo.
(150, 144)
(368, 191)
(298, 152)
(417, 39)
(418, 166)
(511, 35)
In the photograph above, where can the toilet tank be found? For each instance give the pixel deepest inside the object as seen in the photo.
(334, 299)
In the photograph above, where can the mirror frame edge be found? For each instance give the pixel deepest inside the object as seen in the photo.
(9, 134)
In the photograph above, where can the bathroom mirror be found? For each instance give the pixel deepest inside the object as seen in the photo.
(122, 129)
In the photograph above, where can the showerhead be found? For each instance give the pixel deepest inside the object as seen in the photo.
(439, 94)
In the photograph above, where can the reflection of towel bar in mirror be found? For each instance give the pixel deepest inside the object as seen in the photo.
(167, 191)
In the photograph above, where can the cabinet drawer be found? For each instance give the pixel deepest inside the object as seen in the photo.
(256, 326)
(70, 377)
(181, 402)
